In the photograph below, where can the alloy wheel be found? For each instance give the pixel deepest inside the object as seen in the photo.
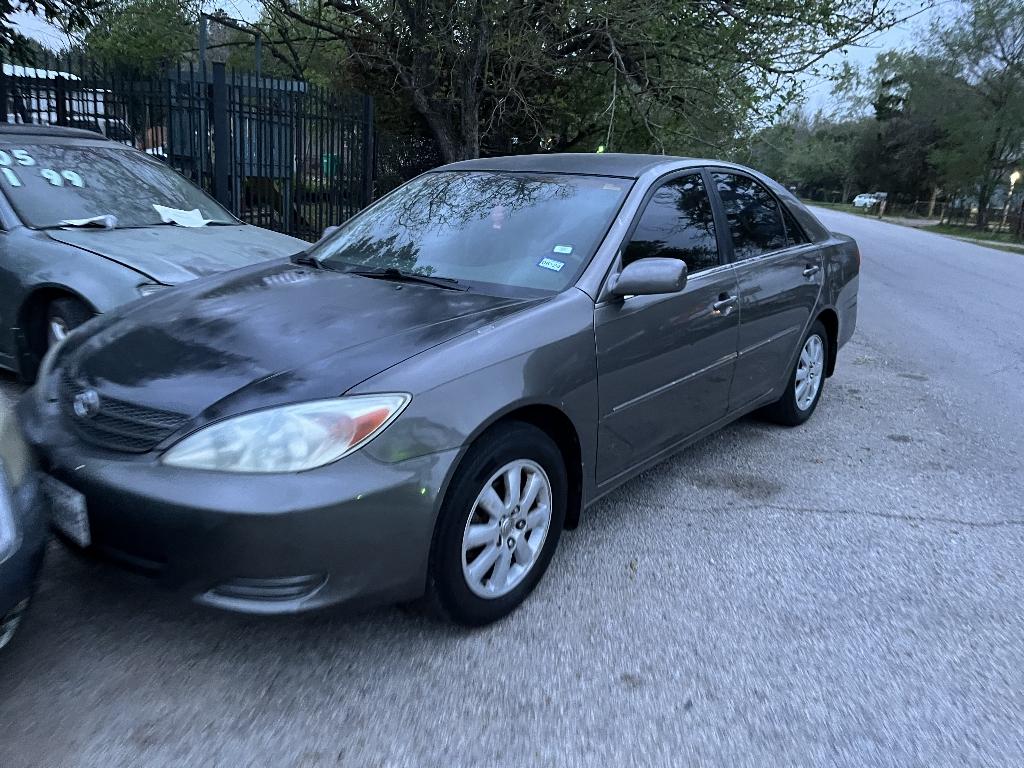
(809, 372)
(56, 331)
(507, 526)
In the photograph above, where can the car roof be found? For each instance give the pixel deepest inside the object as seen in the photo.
(594, 163)
(619, 164)
(634, 167)
(56, 131)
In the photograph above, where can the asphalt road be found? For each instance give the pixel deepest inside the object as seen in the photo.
(846, 593)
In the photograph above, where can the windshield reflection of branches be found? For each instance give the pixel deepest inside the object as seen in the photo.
(480, 214)
(451, 200)
(385, 252)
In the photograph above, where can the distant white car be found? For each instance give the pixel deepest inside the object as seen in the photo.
(864, 200)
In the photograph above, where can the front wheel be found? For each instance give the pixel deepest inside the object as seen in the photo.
(806, 381)
(499, 525)
(62, 317)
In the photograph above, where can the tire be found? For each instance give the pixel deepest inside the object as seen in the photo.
(10, 622)
(65, 314)
(68, 312)
(451, 593)
(789, 410)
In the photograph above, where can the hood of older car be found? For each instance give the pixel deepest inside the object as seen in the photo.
(174, 255)
(267, 335)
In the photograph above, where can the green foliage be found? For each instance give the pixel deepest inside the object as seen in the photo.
(494, 76)
(143, 35)
(71, 16)
(949, 115)
(815, 155)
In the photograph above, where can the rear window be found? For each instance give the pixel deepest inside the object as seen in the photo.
(50, 183)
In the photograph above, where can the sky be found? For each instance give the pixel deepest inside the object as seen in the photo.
(819, 91)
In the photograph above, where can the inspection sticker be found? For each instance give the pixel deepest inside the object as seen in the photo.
(564, 249)
(553, 264)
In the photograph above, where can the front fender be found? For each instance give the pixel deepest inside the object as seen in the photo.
(42, 263)
(544, 356)
(33, 267)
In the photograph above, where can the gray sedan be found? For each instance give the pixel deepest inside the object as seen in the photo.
(87, 224)
(418, 406)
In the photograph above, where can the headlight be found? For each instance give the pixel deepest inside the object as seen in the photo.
(148, 289)
(289, 438)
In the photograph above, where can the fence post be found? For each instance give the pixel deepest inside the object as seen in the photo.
(5, 118)
(368, 151)
(60, 95)
(221, 135)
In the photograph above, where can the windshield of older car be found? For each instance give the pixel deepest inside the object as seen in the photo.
(50, 183)
(534, 231)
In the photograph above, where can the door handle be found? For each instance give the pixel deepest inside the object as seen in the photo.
(724, 305)
(812, 270)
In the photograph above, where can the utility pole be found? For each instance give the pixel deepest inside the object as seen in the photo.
(204, 33)
(1006, 208)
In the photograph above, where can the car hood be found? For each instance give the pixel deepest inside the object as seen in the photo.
(173, 255)
(268, 335)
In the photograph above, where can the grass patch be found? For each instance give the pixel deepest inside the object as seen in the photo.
(970, 233)
(1003, 241)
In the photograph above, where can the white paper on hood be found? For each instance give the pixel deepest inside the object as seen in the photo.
(106, 220)
(182, 218)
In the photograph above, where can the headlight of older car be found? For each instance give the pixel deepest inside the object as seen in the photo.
(289, 438)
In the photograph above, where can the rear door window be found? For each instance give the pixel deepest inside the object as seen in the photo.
(754, 216)
(794, 233)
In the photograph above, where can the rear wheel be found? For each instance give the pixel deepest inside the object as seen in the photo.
(499, 525)
(806, 381)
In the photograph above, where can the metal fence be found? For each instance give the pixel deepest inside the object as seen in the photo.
(278, 153)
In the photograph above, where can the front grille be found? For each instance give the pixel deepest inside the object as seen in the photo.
(118, 425)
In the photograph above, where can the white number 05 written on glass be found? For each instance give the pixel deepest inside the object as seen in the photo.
(21, 157)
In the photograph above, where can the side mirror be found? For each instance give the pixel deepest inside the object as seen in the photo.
(650, 276)
(328, 231)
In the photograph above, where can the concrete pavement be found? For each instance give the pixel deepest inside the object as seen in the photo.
(846, 593)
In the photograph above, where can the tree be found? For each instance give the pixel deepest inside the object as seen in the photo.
(143, 35)
(71, 16)
(511, 75)
(814, 154)
(955, 116)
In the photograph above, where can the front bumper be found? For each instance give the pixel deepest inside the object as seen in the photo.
(356, 532)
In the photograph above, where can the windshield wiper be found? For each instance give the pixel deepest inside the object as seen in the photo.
(306, 260)
(402, 276)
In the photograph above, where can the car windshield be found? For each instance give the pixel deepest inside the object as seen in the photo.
(51, 183)
(533, 231)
